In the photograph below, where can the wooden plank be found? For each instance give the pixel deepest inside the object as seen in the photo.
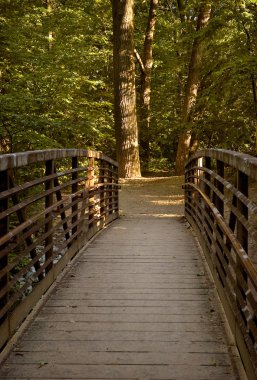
(122, 320)
(119, 346)
(114, 371)
(120, 358)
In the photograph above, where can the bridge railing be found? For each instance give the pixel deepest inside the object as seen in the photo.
(221, 206)
(51, 203)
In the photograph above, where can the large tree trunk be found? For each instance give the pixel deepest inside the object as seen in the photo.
(124, 89)
(146, 71)
(191, 88)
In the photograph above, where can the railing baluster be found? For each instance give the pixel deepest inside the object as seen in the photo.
(102, 175)
(91, 198)
(242, 233)
(49, 199)
(61, 208)
(110, 207)
(207, 176)
(218, 201)
(74, 189)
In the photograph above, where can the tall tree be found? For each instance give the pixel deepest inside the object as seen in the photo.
(146, 65)
(192, 85)
(126, 128)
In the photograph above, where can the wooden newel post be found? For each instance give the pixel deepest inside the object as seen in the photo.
(90, 183)
(49, 200)
(207, 176)
(116, 189)
(242, 233)
(74, 190)
(219, 185)
(110, 191)
(102, 176)
(4, 228)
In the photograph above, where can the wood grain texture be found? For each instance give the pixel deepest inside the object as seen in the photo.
(130, 308)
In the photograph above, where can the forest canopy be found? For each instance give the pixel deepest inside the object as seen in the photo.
(57, 76)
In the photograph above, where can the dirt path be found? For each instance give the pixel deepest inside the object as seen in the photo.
(161, 196)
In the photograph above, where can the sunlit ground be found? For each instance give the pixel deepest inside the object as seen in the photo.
(158, 196)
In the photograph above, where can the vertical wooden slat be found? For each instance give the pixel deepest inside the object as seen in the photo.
(102, 180)
(74, 189)
(61, 209)
(242, 236)
(49, 199)
(219, 202)
(110, 206)
(207, 176)
(4, 228)
(242, 233)
(208, 192)
(90, 188)
(116, 189)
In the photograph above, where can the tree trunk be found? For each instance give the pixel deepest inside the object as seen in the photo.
(253, 79)
(146, 71)
(124, 89)
(191, 89)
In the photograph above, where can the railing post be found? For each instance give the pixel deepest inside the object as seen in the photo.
(219, 202)
(242, 236)
(116, 181)
(207, 176)
(62, 210)
(4, 228)
(91, 199)
(74, 189)
(102, 176)
(242, 233)
(110, 190)
(49, 199)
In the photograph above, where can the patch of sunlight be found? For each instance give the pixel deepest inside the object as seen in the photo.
(163, 196)
(168, 202)
(159, 215)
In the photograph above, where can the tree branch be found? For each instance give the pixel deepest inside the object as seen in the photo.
(139, 60)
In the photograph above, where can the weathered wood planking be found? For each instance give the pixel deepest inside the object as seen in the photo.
(130, 308)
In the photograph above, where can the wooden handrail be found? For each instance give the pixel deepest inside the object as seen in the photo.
(221, 206)
(51, 203)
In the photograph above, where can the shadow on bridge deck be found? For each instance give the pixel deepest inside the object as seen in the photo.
(137, 304)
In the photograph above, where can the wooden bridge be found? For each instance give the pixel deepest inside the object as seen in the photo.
(137, 300)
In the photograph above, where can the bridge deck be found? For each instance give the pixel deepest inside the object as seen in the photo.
(137, 304)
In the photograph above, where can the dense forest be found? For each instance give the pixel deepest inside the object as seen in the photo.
(195, 76)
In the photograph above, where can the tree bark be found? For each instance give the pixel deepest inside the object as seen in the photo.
(145, 110)
(191, 89)
(126, 128)
(253, 79)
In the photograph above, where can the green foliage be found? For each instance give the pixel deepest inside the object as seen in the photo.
(56, 75)
(225, 113)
